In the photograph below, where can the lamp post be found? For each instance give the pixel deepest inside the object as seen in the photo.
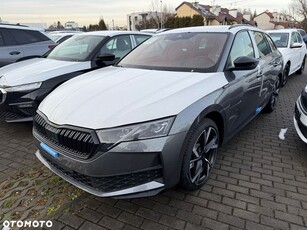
(161, 15)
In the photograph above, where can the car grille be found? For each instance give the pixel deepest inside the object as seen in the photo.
(75, 143)
(4, 115)
(1, 97)
(111, 183)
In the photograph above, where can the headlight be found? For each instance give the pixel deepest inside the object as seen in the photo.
(146, 130)
(305, 89)
(25, 87)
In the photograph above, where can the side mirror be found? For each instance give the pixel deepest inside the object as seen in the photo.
(296, 45)
(245, 63)
(106, 57)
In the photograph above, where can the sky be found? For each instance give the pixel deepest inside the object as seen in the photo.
(86, 12)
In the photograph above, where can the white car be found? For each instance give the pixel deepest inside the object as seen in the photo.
(290, 43)
(23, 85)
(61, 37)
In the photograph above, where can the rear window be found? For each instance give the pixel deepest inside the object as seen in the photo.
(27, 36)
(280, 39)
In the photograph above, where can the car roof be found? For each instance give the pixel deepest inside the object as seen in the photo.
(282, 31)
(220, 29)
(20, 27)
(111, 33)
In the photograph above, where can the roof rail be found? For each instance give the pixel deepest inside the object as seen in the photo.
(8, 24)
(239, 25)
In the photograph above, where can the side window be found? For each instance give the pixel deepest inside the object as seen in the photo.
(119, 46)
(272, 44)
(7, 38)
(1, 40)
(262, 44)
(24, 36)
(140, 38)
(293, 38)
(299, 38)
(242, 46)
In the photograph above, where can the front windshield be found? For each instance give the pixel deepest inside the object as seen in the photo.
(77, 48)
(280, 39)
(188, 52)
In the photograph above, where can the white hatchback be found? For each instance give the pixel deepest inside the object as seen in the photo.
(290, 43)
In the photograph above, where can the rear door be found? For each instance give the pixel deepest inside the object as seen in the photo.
(268, 62)
(296, 54)
(10, 51)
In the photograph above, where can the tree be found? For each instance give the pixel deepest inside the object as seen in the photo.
(298, 9)
(102, 25)
(179, 22)
(59, 25)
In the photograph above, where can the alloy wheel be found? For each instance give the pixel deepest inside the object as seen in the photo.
(203, 155)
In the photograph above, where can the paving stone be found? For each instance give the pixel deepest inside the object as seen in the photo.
(90, 226)
(111, 223)
(71, 220)
(109, 210)
(172, 222)
(231, 220)
(90, 215)
(150, 225)
(149, 214)
(131, 219)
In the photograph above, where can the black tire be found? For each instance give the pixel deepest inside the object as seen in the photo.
(301, 70)
(285, 75)
(270, 106)
(200, 154)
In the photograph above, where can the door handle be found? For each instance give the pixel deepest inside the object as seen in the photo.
(259, 72)
(14, 53)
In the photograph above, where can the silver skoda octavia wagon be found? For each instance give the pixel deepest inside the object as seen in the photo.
(158, 117)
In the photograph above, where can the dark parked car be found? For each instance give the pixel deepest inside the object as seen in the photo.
(158, 117)
(25, 84)
(19, 43)
(300, 115)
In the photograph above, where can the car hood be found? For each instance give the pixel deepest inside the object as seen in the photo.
(116, 96)
(37, 69)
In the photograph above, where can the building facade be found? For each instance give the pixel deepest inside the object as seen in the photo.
(213, 15)
(270, 21)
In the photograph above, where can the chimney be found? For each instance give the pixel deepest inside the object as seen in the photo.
(247, 17)
(195, 4)
(233, 12)
(216, 10)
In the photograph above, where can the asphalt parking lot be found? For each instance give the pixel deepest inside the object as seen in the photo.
(259, 182)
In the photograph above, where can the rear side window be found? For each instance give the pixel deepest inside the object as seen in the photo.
(299, 38)
(7, 38)
(294, 38)
(140, 38)
(27, 36)
(272, 44)
(262, 44)
(119, 46)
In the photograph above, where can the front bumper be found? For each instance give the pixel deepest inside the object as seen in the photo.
(300, 120)
(87, 183)
(130, 169)
(14, 107)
